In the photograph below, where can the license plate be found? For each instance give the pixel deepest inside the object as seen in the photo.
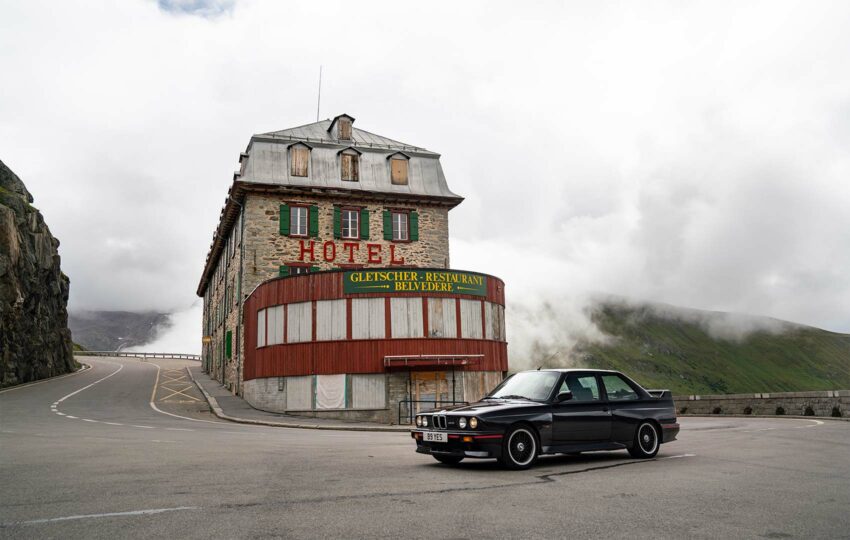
(433, 436)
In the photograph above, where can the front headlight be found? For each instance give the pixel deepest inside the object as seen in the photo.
(424, 421)
(419, 421)
(473, 423)
(462, 422)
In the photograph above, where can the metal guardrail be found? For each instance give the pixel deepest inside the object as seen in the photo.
(131, 354)
(410, 413)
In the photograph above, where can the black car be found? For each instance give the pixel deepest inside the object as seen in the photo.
(551, 411)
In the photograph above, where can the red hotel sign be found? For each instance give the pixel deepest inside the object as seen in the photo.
(312, 251)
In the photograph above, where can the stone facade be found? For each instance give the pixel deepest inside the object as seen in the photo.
(819, 403)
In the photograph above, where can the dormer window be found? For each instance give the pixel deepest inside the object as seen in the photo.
(398, 168)
(349, 162)
(340, 127)
(345, 129)
(299, 159)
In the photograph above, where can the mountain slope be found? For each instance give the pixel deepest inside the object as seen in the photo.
(115, 330)
(698, 352)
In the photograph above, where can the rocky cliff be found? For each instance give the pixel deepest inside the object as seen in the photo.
(34, 338)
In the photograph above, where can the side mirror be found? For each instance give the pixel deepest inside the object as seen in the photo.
(563, 396)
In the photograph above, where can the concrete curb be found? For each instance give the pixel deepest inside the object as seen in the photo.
(775, 416)
(85, 367)
(217, 410)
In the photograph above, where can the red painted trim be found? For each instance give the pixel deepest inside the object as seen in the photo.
(487, 436)
(348, 331)
(425, 322)
(457, 319)
(388, 321)
(483, 323)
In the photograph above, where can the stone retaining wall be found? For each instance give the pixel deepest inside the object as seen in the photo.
(819, 403)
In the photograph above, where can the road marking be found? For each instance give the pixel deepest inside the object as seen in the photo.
(87, 420)
(85, 367)
(679, 456)
(74, 393)
(111, 514)
(113, 423)
(178, 429)
(143, 427)
(73, 417)
(157, 409)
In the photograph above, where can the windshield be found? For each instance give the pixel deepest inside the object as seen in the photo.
(533, 385)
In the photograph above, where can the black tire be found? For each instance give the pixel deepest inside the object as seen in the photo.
(647, 441)
(519, 448)
(448, 460)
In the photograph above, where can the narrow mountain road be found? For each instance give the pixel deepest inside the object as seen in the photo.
(126, 449)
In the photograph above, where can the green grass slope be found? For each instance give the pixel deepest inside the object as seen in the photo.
(661, 350)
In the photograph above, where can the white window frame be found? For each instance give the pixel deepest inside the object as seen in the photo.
(397, 223)
(350, 232)
(299, 220)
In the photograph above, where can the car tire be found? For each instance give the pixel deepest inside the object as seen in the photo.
(647, 441)
(448, 460)
(519, 448)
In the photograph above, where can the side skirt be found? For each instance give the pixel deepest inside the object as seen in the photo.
(581, 447)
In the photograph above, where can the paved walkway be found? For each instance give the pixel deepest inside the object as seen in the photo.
(229, 407)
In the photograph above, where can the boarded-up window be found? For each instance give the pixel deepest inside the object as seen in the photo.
(494, 321)
(345, 129)
(406, 315)
(442, 318)
(399, 171)
(299, 322)
(261, 328)
(369, 391)
(274, 324)
(299, 393)
(367, 318)
(330, 320)
(350, 163)
(330, 391)
(470, 319)
(299, 158)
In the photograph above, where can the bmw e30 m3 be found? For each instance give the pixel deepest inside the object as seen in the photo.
(551, 411)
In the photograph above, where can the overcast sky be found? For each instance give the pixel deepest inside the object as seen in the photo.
(690, 153)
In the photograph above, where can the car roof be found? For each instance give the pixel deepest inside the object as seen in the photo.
(569, 370)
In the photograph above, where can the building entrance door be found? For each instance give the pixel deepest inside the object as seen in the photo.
(429, 390)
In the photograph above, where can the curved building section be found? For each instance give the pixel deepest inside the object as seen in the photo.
(373, 344)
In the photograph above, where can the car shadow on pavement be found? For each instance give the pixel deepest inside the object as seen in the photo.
(544, 462)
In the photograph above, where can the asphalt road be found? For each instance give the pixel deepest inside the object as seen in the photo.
(87, 456)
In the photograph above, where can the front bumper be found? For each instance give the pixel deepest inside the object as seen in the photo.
(464, 444)
(669, 432)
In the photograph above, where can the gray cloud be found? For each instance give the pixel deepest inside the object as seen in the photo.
(690, 154)
(202, 8)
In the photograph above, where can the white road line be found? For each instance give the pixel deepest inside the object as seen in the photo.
(178, 429)
(87, 420)
(85, 367)
(111, 514)
(72, 417)
(679, 456)
(143, 427)
(74, 393)
(113, 423)
(60, 413)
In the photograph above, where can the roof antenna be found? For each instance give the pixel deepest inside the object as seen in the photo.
(319, 101)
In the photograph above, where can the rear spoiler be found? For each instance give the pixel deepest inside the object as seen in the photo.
(658, 394)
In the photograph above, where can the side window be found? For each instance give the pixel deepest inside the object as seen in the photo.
(398, 168)
(617, 388)
(299, 158)
(583, 387)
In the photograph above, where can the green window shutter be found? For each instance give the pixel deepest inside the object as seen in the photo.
(284, 220)
(283, 270)
(364, 224)
(388, 225)
(337, 222)
(228, 344)
(314, 269)
(414, 226)
(314, 221)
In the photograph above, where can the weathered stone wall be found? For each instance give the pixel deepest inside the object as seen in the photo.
(266, 249)
(34, 338)
(821, 403)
